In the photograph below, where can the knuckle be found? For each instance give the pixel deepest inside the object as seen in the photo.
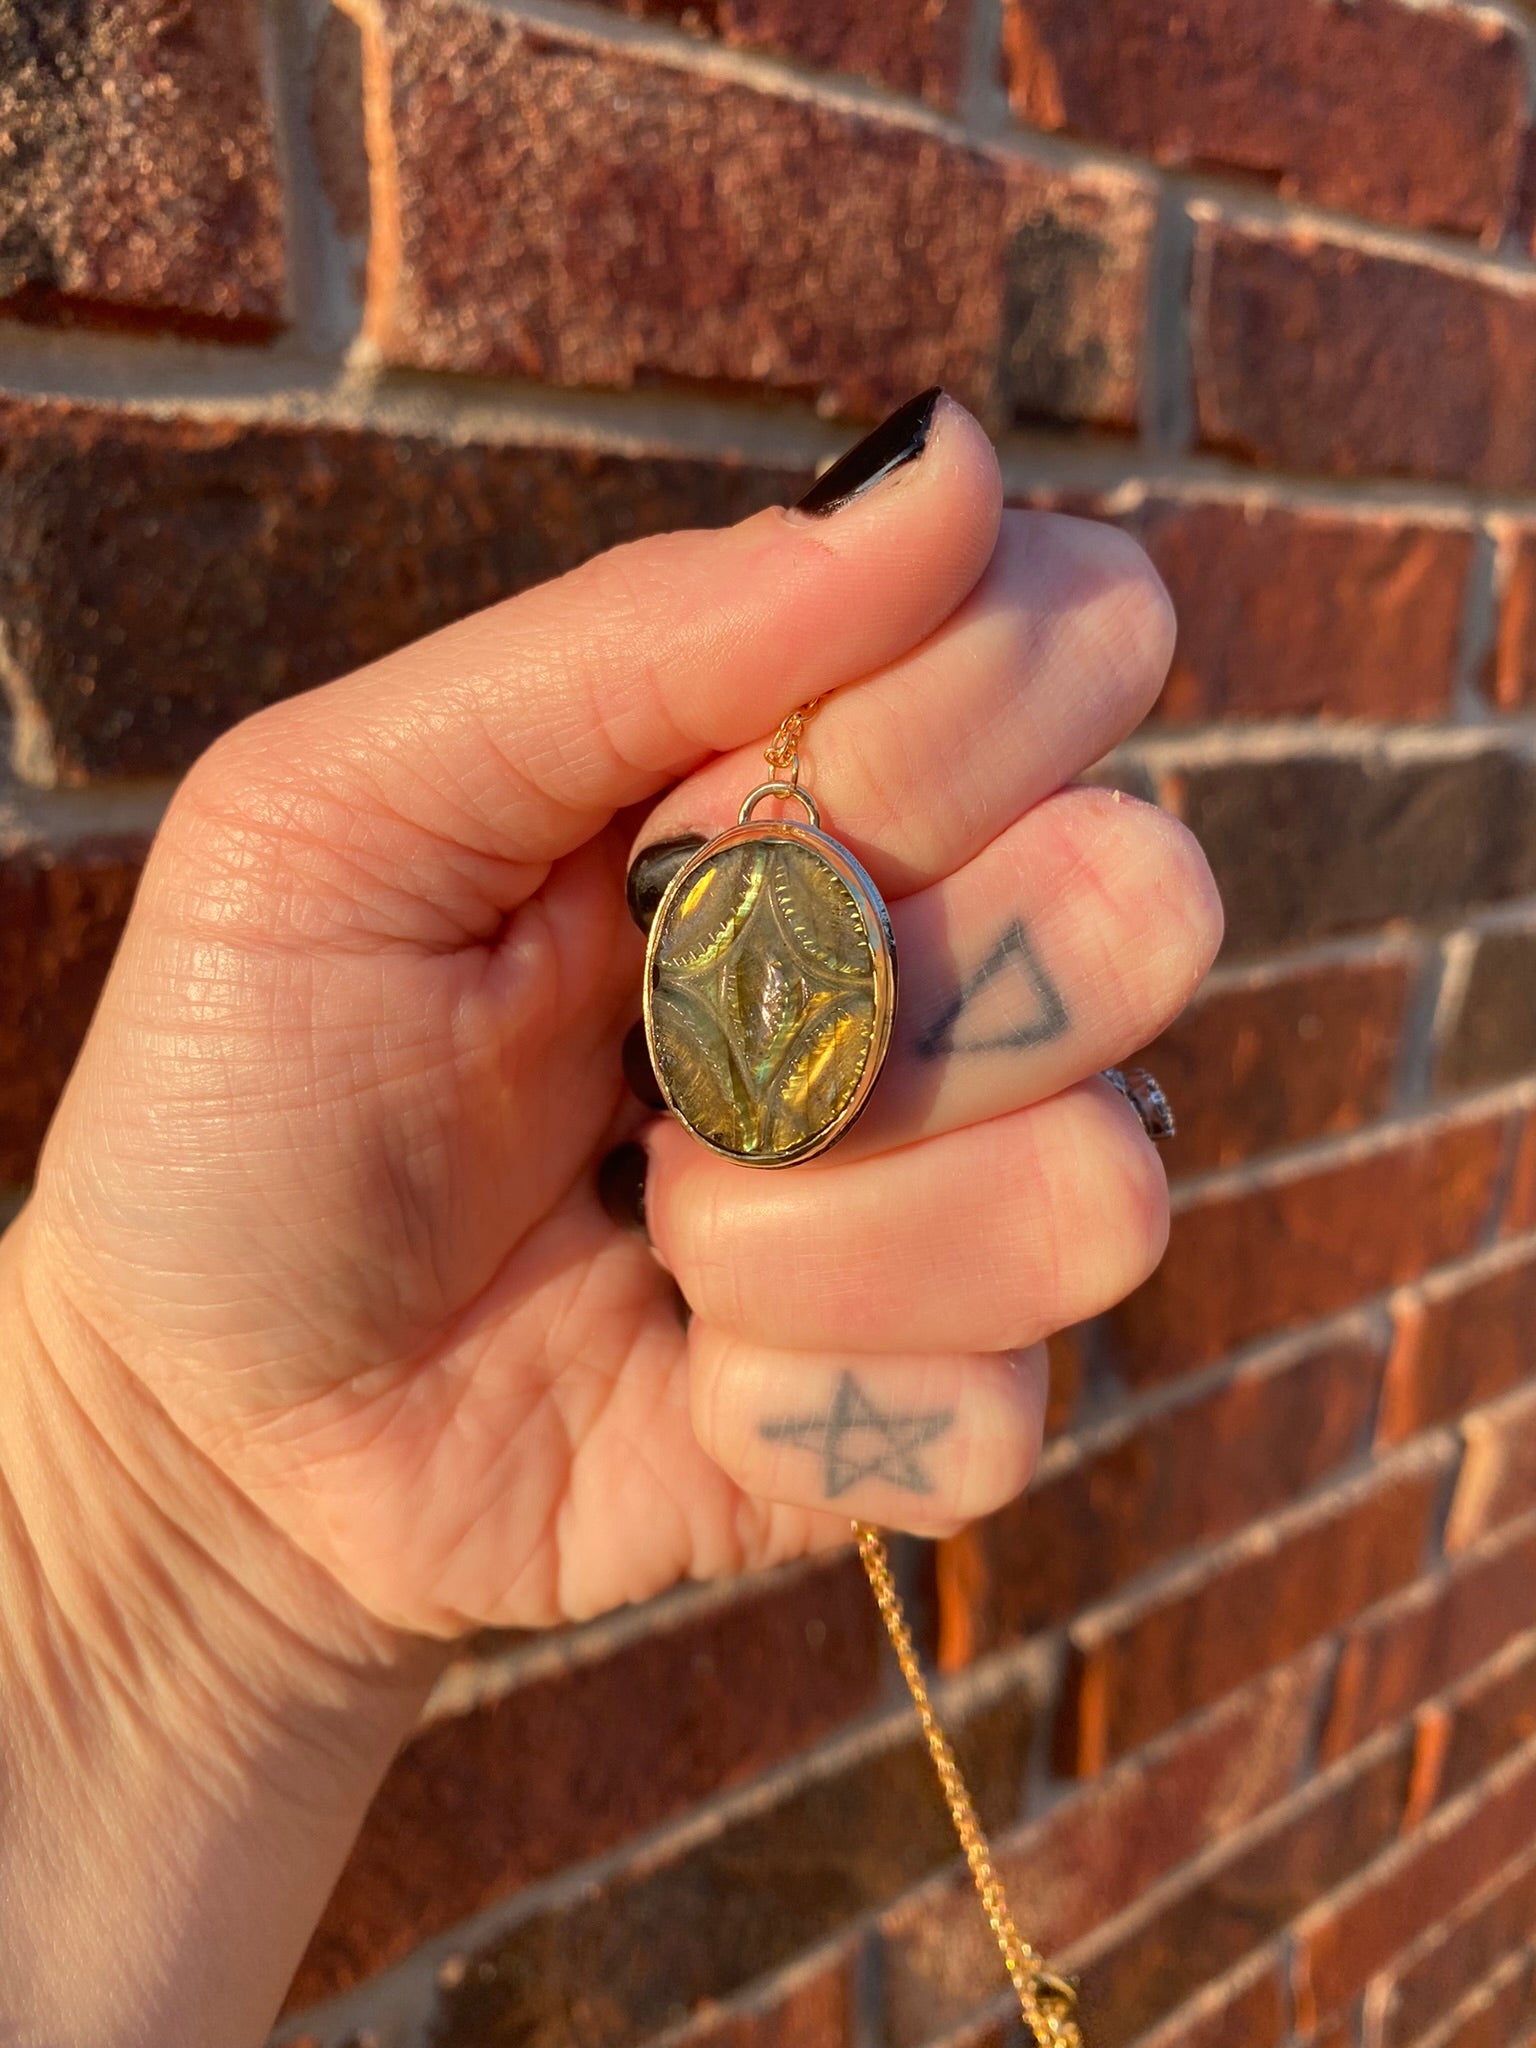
(1098, 596)
(691, 1226)
(1108, 1212)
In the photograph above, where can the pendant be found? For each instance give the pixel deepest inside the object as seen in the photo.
(770, 987)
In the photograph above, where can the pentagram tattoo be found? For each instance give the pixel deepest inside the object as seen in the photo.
(858, 1440)
(1041, 1014)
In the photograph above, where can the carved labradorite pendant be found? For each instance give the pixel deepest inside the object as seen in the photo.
(770, 987)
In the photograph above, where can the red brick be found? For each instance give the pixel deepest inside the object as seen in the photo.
(1263, 1258)
(564, 1767)
(1493, 1036)
(1256, 1066)
(1492, 2017)
(701, 1920)
(1193, 1473)
(1378, 108)
(813, 2008)
(162, 578)
(1458, 1956)
(1342, 1944)
(1065, 1352)
(1520, 1203)
(584, 215)
(1094, 1854)
(1426, 1640)
(1494, 1033)
(61, 912)
(1290, 612)
(914, 46)
(1510, 677)
(1150, 1661)
(1305, 844)
(1497, 1481)
(141, 181)
(1460, 1340)
(1251, 2014)
(1309, 355)
(1491, 1714)
(1223, 1916)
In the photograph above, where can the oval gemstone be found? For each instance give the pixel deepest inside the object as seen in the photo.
(763, 992)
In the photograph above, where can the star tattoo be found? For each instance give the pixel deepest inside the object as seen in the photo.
(858, 1441)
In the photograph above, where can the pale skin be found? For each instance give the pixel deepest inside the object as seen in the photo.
(319, 1346)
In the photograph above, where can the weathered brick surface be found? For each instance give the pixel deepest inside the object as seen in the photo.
(1307, 845)
(140, 176)
(1379, 108)
(1520, 1202)
(1497, 1481)
(563, 1767)
(1286, 612)
(914, 46)
(1494, 1036)
(1309, 355)
(224, 566)
(1341, 1944)
(61, 912)
(1494, 2015)
(815, 2008)
(1493, 1713)
(1291, 1056)
(586, 216)
(1260, 1259)
(1149, 1661)
(1457, 1957)
(1432, 1635)
(1510, 677)
(1097, 1852)
(1193, 1473)
(703, 1922)
(1065, 1354)
(1460, 1339)
(1247, 2014)
(1222, 1917)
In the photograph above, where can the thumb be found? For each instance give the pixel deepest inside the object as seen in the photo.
(515, 734)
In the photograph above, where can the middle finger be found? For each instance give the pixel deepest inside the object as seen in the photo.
(1055, 656)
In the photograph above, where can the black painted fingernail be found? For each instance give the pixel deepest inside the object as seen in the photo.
(621, 1185)
(651, 870)
(897, 440)
(638, 1071)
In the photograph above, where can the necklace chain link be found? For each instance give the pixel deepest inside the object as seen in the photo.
(1048, 2002)
(780, 752)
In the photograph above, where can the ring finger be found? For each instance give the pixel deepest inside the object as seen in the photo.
(986, 1238)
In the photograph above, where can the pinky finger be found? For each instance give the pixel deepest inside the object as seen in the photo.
(912, 1441)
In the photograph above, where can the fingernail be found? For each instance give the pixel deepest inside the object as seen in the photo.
(638, 1071)
(621, 1185)
(898, 440)
(651, 870)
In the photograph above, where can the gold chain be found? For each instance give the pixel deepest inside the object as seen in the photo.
(1048, 2002)
(780, 752)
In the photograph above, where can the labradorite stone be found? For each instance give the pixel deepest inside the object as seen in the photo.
(762, 997)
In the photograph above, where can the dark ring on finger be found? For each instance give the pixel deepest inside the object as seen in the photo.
(1147, 1099)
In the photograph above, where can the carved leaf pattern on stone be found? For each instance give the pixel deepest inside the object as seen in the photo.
(763, 1001)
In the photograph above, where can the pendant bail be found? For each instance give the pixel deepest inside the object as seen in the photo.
(790, 792)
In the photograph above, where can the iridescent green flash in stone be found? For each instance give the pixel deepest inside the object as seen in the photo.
(766, 992)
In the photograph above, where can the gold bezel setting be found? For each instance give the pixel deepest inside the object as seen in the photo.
(882, 947)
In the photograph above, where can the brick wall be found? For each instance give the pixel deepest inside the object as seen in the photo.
(319, 328)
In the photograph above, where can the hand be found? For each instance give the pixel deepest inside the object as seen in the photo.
(324, 1189)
